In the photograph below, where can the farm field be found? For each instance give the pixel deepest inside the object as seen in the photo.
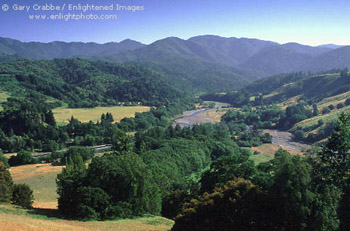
(62, 115)
(17, 219)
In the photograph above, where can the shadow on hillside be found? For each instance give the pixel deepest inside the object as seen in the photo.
(52, 213)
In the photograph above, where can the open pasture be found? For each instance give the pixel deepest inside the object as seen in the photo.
(63, 115)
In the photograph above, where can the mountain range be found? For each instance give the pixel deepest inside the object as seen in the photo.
(208, 63)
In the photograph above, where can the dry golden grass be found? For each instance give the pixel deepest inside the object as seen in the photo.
(16, 219)
(290, 102)
(8, 156)
(31, 170)
(62, 115)
(42, 180)
(327, 118)
(333, 100)
(215, 115)
(270, 150)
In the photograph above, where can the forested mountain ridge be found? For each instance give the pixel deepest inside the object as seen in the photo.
(204, 63)
(37, 50)
(81, 83)
(263, 58)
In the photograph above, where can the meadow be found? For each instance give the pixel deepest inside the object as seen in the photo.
(63, 115)
(42, 180)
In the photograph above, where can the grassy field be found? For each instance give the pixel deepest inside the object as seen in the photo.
(269, 150)
(42, 180)
(260, 158)
(62, 115)
(333, 100)
(327, 118)
(3, 98)
(215, 115)
(17, 219)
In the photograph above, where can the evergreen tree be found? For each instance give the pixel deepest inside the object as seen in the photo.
(336, 154)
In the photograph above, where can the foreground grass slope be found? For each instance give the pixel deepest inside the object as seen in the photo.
(17, 219)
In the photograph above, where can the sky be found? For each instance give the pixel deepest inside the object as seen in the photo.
(310, 22)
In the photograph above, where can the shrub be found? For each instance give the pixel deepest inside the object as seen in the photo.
(22, 195)
(347, 102)
(340, 105)
(23, 157)
(299, 135)
(325, 110)
(331, 107)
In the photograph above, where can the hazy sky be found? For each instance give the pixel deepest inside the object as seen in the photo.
(311, 22)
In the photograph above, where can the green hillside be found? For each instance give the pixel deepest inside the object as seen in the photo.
(306, 104)
(80, 83)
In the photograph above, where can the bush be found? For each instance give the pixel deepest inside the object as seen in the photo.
(340, 105)
(320, 123)
(22, 195)
(331, 107)
(347, 102)
(299, 135)
(325, 110)
(23, 157)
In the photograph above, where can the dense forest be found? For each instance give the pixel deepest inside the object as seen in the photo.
(80, 83)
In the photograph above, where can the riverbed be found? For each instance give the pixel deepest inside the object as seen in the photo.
(200, 116)
(285, 140)
(280, 139)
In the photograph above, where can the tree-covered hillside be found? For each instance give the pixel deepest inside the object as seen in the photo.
(81, 83)
(276, 89)
(38, 50)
